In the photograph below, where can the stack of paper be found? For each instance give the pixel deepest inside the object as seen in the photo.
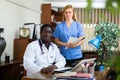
(74, 40)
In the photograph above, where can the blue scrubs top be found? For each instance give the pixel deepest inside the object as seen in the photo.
(62, 32)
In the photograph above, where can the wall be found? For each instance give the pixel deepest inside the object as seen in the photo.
(76, 3)
(13, 15)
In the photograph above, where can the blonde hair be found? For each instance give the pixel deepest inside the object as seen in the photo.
(67, 7)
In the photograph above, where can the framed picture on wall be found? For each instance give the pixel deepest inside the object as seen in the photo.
(37, 29)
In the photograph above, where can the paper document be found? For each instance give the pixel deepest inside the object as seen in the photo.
(74, 40)
(63, 69)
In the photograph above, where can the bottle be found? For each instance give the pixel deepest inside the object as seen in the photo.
(91, 68)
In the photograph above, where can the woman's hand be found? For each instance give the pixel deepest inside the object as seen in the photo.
(70, 45)
(73, 45)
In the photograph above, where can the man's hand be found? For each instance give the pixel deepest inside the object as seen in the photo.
(49, 69)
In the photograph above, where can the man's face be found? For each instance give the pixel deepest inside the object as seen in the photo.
(46, 34)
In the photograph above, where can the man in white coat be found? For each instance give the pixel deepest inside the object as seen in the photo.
(42, 55)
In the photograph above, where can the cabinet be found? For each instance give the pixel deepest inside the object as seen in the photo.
(90, 54)
(19, 48)
(49, 15)
(11, 71)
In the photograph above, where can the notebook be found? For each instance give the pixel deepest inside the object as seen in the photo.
(74, 40)
(77, 67)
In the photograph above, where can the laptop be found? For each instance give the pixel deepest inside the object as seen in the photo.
(77, 67)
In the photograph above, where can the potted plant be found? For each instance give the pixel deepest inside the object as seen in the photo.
(110, 36)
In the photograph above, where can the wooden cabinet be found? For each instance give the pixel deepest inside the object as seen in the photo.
(19, 48)
(49, 15)
(46, 13)
(17, 69)
(90, 54)
(11, 71)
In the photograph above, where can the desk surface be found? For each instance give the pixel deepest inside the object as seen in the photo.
(10, 63)
(40, 76)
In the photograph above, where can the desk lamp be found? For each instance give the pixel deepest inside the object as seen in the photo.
(95, 44)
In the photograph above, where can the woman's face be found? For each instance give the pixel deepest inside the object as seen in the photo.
(68, 14)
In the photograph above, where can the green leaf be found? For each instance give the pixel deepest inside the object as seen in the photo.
(109, 32)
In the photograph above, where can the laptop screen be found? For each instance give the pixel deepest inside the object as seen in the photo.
(77, 67)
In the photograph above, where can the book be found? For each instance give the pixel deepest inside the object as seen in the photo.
(62, 70)
(83, 75)
(73, 78)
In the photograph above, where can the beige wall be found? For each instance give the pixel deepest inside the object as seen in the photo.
(12, 16)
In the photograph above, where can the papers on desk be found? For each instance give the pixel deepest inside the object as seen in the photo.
(74, 76)
(74, 40)
(68, 73)
(62, 70)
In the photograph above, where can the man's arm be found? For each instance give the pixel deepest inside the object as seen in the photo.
(29, 60)
(59, 59)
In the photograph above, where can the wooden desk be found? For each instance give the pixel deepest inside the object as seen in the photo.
(101, 75)
(11, 70)
(39, 76)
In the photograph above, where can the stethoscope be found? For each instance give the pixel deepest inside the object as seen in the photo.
(42, 52)
(40, 44)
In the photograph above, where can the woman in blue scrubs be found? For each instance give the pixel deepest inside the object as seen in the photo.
(66, 29)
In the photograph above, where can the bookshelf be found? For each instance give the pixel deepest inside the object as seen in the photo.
(50, 15)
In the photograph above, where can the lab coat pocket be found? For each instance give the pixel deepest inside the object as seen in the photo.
(51, 59)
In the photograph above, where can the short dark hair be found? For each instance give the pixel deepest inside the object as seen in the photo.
(44, 26)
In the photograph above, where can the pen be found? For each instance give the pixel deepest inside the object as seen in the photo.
(83, 38)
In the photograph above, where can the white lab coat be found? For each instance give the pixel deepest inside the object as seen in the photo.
(35, 60)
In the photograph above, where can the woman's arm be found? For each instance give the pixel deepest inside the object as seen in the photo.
(58, 42)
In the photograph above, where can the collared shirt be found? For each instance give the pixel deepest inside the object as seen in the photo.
(35, 59)
(62, 32)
